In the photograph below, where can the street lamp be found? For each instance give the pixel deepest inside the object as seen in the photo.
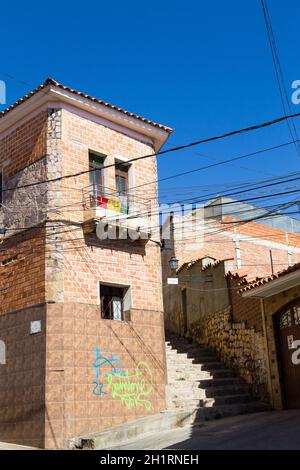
(173, 263)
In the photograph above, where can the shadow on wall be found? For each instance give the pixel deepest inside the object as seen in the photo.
(22, 378)
(24, 165)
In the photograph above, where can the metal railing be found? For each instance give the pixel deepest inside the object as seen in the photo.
(122, 203)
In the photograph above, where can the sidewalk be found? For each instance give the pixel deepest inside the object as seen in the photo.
(8, 446)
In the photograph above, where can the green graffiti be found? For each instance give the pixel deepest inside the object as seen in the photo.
(133, 389)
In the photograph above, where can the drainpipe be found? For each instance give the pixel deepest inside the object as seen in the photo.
(270, 388)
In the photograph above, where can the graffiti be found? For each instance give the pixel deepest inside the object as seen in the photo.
(113, 363)
(133, 389)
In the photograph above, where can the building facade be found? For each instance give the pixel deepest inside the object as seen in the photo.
(211, 311)
(251, 249)
(81, 316)
(279, 296)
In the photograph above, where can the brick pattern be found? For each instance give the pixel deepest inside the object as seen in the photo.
(22, 270)
(57, 264)
(79, 136)
(22, 379)
(218, 242)
(24, 145)
(74, 330)
(243, 309)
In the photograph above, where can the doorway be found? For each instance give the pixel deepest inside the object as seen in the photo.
(288, 329)
(184, 311)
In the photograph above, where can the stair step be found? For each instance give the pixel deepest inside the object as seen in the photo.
(199, 381)
(189, 366)
(192, 360)
(212, 392)
(213, 382)
(182, 390)
(213, 366)
(221, 373)
(227, 399)
(224, 411)
(210, 402)
(201, 375)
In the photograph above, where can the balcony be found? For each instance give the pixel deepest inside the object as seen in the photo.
(123, 211)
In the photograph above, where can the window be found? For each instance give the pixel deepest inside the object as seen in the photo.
(96, 164)
(122, 186)
(112, 302)
(121, 179)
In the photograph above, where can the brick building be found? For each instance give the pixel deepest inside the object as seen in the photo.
(81, 315)
(253, 248)
(280, 312)
(209, 309)
(207, 305)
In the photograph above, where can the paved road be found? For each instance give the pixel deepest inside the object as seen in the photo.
(260, 431)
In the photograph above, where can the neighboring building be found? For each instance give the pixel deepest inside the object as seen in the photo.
(280, 306)
(254, 327)
(209, 309)
(225, 229)
(81, 318)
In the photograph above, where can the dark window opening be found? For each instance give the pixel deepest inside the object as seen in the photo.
(121, 177)
(112, 302)
(96, 164)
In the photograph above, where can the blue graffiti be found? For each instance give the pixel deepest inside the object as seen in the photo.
(102, 359)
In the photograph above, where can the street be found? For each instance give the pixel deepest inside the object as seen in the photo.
(275, 430)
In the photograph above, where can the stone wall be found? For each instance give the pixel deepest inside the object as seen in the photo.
(241, 348)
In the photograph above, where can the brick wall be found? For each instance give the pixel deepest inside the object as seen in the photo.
(58, 266)
(243, 309)
(22, 270)
(22, 378)
(218, 241)
(76, 401)
(24, 145)
(81, 135)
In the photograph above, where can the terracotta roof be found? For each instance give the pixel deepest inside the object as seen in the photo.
(50, 81)
(191, 263)
(261, 281)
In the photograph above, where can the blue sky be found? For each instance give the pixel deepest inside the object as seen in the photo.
(201, 67)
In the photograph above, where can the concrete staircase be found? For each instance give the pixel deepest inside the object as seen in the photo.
(197, 380)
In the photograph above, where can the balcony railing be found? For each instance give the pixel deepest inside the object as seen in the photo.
(126, 204)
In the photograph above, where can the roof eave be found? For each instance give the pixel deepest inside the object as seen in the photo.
(274, 287)
(53, 93)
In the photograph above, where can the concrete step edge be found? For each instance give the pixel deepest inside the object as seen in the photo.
(165, 420)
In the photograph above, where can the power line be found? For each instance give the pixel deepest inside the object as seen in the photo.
(212, 165)
(279, 75)
(163, 152)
